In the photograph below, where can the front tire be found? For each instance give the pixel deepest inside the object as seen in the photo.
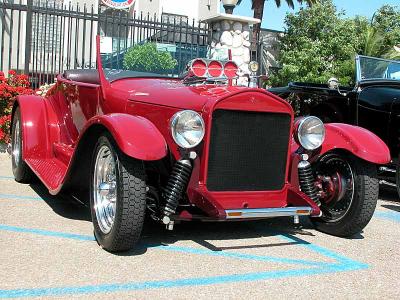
(352, 210)
(22, 172)
(117, 196)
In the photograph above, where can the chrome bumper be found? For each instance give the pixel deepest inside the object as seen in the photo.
(255, 213)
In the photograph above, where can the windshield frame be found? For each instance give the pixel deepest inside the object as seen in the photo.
(359, 78)
(181, 56)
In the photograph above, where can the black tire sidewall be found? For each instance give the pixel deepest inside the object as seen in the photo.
(102, 238)
(130, 210)
(21, 170)
(343, 226)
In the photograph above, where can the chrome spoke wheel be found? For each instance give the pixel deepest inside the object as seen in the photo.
(105, 188)
(16, 143)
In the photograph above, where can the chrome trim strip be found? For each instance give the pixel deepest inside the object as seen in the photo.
(251, 213)
(358, 70)
(387, 183)
(386, 169)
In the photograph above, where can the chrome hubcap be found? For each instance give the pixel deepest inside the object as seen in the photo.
(16, 144)
(105, 189)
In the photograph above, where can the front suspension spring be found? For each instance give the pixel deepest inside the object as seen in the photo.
(307, 181)
(176, 185)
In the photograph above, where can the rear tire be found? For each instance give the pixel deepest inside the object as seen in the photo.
(363, 204)
(22, 172)
(117, 196)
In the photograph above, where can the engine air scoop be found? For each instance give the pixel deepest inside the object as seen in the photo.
(211, 69)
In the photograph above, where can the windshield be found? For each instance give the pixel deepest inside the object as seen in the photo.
(124, 58)
(377, 68)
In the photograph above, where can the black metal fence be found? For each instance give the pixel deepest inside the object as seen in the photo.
(44, 38)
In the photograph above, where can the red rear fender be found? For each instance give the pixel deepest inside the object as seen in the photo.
(136, 136)
(359, 141)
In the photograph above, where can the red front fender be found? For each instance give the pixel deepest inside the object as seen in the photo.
(359, 141)
(136, 136)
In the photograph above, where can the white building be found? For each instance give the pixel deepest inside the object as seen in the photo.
(190, 9)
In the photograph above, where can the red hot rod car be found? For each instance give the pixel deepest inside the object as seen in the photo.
(190, 147)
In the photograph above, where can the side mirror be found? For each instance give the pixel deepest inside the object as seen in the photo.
(333, 84)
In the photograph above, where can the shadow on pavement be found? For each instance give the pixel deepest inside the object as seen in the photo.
(392, 207)
(388, 194)
(63, 205)
(202, 233)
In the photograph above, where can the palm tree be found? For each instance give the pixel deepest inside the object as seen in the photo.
(258, 7)
(372, 42)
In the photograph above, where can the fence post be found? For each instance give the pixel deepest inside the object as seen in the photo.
(28, 39)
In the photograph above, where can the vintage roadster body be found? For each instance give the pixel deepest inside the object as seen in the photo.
(191, 148)
(373, 103)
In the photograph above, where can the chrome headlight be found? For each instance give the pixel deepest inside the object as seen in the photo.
(187, 128)
(311, 133)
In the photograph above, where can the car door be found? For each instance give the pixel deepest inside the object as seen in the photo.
(81, 102)
(374, 106)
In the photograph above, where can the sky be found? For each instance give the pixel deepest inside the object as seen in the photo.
(274, 17)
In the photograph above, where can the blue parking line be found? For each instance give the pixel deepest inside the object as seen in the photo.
(172, 248)
(243, 256)
(201, 281)
(6, 177)
(10, 196)
(341, 264)
(388, 215)
(47, 233)
(326, 252)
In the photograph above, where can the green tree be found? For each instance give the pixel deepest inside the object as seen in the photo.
(372, 42)
(387, 22)
(319, 44)
(146, 58)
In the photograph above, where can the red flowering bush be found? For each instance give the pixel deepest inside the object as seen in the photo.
(10, 88)
(5, 123)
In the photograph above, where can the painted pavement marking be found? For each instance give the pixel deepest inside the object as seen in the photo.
(18, 197)
(340, 264)
(388, 215)
(172, 248)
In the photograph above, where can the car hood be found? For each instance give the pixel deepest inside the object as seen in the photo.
(173, 93)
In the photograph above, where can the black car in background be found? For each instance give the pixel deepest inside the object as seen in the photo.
(373, 103)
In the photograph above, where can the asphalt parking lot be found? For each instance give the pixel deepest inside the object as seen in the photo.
(48, 250)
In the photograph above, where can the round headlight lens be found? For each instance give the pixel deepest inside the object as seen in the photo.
(187, 128)
(311, 133)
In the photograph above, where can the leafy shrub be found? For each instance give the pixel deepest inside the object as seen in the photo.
(146, 58)
(10, 88)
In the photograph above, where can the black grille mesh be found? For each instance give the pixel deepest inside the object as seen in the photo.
(248, 151)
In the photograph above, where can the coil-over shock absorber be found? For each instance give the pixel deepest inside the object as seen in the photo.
(307, 181)
(176, 187)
